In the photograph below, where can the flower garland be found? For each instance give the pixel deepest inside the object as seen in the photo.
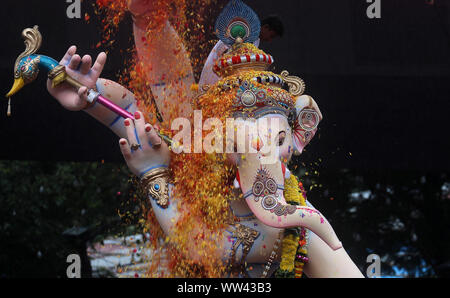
(293, 246)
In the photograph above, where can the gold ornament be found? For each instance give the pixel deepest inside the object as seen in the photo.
(32, 39)
(296, 85)
(156, 185)
(245, 236)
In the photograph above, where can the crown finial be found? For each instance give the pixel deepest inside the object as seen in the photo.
(237, 22)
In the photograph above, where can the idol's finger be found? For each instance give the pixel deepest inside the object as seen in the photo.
(82, 94)
(99, 63)
(139, 124)
(154, 139)
(86, 63)
(132, 136)
(68, 55)
(125, 149)
(75, 62)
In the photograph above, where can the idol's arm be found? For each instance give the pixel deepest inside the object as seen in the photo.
(150, 162)
(120, 96)
(165, 62)
(208, 77)
(152, 152)
(82, 70)
(168, 217)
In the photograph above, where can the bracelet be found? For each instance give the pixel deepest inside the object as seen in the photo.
(89, 104)
(156, 184)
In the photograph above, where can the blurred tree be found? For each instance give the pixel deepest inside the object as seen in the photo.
(402, 216)
(50, 210)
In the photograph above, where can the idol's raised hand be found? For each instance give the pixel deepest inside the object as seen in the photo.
(80, 69)
(144, 149)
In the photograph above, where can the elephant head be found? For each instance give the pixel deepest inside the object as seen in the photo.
(273, 121)
(270, 139)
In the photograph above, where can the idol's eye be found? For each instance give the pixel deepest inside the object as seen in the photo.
(281, 137)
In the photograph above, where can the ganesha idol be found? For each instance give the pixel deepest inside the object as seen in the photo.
(231, 212)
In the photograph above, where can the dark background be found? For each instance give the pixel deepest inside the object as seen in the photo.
(382, 84)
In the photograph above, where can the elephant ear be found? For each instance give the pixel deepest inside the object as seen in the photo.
(308, 117)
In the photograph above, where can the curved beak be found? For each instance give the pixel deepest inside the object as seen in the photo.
(18, 84)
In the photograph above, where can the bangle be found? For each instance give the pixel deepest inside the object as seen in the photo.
(89, 104)
(156, 184)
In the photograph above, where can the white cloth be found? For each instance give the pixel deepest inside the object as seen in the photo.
(208, 77)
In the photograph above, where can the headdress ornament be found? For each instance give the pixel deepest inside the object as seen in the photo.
(236, 22)
(244, 68)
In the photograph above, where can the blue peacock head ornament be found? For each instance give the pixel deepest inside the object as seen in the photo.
(28, 64)
(26, 68)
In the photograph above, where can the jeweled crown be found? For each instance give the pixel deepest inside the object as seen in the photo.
(242, 57)
(258, 92)
(244, 67)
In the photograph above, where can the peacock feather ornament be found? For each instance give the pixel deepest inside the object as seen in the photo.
(237, 23)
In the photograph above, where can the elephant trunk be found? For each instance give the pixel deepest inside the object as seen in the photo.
(262, 186)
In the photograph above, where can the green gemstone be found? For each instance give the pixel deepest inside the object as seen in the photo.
(238, 31)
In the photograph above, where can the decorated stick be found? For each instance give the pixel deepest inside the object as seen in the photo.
(28, 64)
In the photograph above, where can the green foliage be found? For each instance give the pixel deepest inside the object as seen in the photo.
(50, 210)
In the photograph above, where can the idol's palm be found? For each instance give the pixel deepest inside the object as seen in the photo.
(80, 69)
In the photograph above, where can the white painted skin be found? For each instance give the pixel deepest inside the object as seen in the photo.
(168, 69)
(324, 261)
(249, 165)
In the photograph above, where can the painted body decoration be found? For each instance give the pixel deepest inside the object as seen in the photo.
(258, 226)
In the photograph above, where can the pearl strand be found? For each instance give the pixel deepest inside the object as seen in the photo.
(273, 255)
